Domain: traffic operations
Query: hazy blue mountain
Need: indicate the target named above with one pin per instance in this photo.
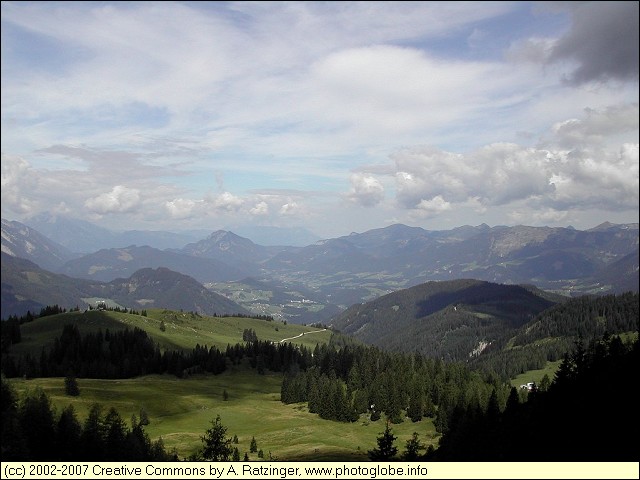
(26, 286)
(18, 240)
(231, 248)
(338, 272)
(106, 265)
(84, 237)
(276, 236)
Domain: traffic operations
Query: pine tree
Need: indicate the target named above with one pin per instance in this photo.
(217, 447)
(71, 386)
(253, 448)
(414, 445)
(386, 450)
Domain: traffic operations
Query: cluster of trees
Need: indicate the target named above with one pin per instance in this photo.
(32, 430)
(553, 333)
(342, 384)
(249, 335)
(129, 353)
(588, 412)
(121, 354)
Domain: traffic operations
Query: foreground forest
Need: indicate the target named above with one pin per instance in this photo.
(476, 413)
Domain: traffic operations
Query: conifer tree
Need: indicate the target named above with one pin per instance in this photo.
(386, 449)
(217, 447)
(414, 445)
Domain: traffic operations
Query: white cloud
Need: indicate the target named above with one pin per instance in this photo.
(291, 208)
(227, 202)
(180, 208)
(366, 190)
(260, 209)
(596, 126)
(18, 180)
(431, 208)
(120, 199)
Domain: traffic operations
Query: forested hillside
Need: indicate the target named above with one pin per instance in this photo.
(448, 319)
(554, 332)
(587, 414)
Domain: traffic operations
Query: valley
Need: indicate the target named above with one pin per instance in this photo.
(181, 409)
(312, 350)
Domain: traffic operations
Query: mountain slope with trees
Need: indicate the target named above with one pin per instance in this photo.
(560, 424)
(448, 319)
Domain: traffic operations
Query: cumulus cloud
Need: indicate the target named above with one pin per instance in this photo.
(603, 41)
(180, 208)
(596, 126)
(431, 208)
(366, 190)
(577, 170)
(493, 175)
(119, 200)
(18, 180)
(260, 209)
(227, 202)
(291, 208)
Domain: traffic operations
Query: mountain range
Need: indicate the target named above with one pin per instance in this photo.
(317, 281)
(27, 287)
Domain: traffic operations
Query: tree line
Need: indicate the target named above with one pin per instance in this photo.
(33, 431)
(553, 333)
(588, 413)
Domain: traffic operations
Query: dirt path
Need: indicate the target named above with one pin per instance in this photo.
(303, 333)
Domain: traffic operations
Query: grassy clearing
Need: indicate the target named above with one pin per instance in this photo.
(180, 410)
(181, 330)
(536, 375)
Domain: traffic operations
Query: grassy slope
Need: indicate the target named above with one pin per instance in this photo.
(182, 330)
(536, 375)
(181, 410)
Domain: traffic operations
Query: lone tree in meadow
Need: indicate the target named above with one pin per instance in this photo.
(386, 450)
(71, 385)
(217, 447)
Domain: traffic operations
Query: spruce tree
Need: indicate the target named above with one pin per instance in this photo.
(386, 450)
(414, 445)
(217, 447)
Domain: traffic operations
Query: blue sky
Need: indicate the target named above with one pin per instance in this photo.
(333, 116)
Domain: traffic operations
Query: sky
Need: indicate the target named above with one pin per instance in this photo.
(336, 117)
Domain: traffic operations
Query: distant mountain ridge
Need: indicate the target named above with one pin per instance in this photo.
(85, 237)
(18, 240)
(25, 286)
(332, 274)
(106, 265)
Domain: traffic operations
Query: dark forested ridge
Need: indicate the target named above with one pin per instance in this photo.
(553, 332)
(587, 414)
(448, 319)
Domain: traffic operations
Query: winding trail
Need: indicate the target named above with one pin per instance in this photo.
(301, 334)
